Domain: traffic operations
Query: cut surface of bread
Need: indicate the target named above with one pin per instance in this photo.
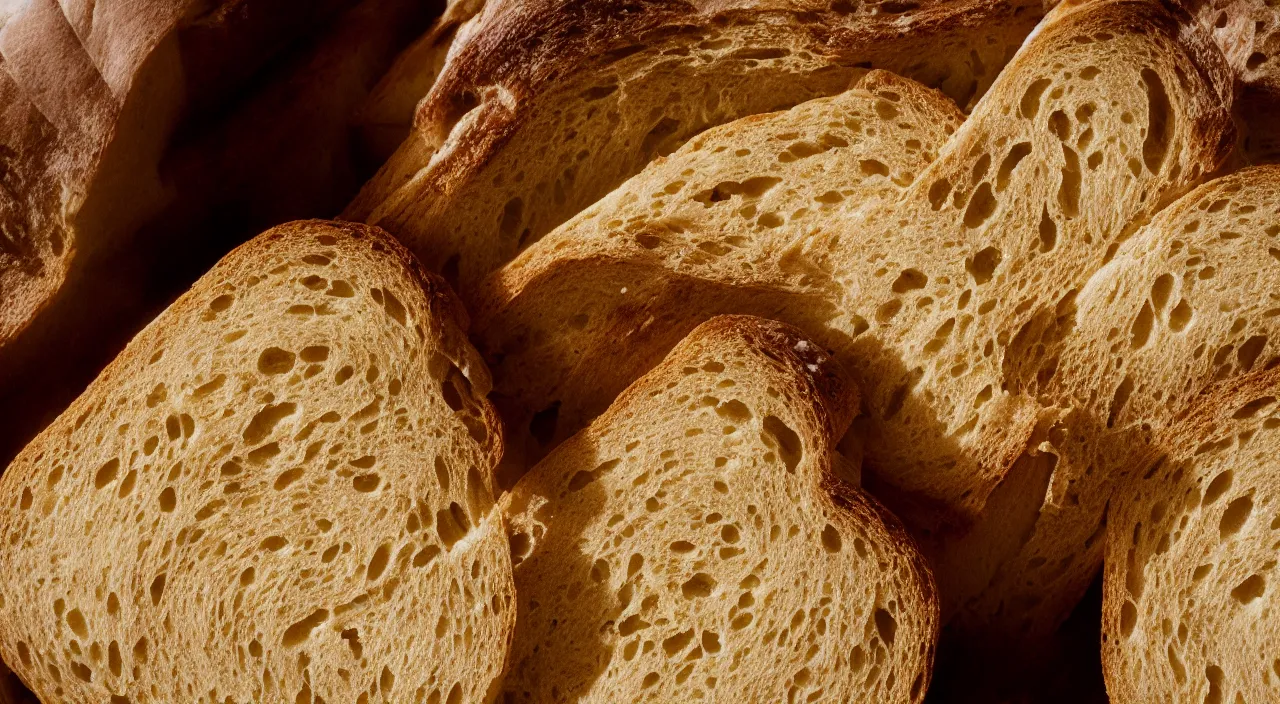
(770, 180)
(942, 300)
(281, 489)
(695, 542)
(1190, 590)
(1184, 345)
(518, 135)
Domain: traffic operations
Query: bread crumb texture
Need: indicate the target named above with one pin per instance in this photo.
(281, 490)
(694, 542)
(948, 284)
(1190, 592)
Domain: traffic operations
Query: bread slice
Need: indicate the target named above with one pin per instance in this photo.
(1177, 355)
(1190, 591)
(695, 542)
(1108, 112)
(838, 154)
(281, 489)
(551, 105)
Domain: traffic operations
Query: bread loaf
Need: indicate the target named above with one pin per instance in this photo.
(281, 489)
(1190, 575)
(553, 104)
(695, 541)
(1108, 112)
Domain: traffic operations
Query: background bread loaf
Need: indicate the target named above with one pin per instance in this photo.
(938, 299)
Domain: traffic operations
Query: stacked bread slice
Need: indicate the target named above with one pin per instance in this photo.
(697, 541)
(552, 104)
(1190, 307)
(939, 298)
(282, 489)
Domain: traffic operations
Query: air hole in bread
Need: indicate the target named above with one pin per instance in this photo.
(1213, 673)
(1029, 105)
(274, 360)
(1016, 154)
(910, 280)
(1069, 187)
(452, 525)
(698, 586)
(1160, 121)
(264, 421)
(886, 626)
(300, 631)
(779, 435)
(982, 266)
(1250, 589)
(106, 473)
(1219, 486)
(981, 206)
(1235, 516)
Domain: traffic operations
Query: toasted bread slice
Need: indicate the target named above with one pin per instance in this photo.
(281, 488)
(695, 542)
(769, 179)
(1190, 590)
(1108, 112)
(550, 105)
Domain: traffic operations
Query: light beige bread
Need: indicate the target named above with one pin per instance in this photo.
(1109, 111)
(770, 180)
(550, 105)
(696, 541)
(281, 489)
(1190, 591)
(1178, 347)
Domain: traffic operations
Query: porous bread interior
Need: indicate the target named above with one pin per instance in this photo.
(281, 488)
(755, 177)
(948, 295)
(1190, 588)
(1184, 319)
(475, 185)
(693, 542)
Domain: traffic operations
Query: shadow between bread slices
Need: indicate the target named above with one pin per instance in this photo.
(281, 488)
(947, 300)
(695, 540)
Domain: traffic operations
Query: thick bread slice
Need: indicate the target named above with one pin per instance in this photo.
(552, 104)
(695, 542)
(1181, 343)
(281, 489)
(1190, 594)
(769, 179)
(1109, 111)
